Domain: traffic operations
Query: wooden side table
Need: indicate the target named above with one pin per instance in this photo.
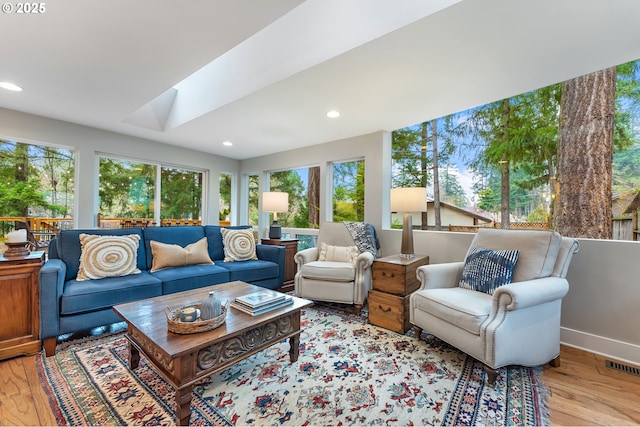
(394, 279)
(20, 305)
(290, 249)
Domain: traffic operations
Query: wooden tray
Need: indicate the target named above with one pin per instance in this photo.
(175, 325)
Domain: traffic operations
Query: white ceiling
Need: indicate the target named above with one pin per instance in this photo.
(272, 69)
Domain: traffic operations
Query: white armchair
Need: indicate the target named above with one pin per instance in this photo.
(520, 323)
(339, 274)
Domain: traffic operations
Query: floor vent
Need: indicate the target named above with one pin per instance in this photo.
(622, 367)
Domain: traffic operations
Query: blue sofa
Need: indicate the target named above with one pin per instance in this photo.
(68, 305)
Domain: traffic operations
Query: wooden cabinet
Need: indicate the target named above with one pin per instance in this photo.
(394, 279)
(20, 305)
(290, 249)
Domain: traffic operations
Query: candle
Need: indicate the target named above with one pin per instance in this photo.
(17, 236)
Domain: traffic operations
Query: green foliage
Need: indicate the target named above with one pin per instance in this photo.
(348, 191)
(539, 214)
(29, 176)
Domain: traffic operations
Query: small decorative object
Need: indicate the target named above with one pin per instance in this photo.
(16, 250)
(189, 314)
(211, 307)
(177, 326)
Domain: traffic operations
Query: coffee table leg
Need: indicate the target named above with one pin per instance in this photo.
(134, 356)
(294, 348)
(183, 405)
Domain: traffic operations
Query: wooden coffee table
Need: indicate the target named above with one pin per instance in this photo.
(185, 359)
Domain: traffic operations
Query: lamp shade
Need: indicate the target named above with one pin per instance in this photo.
(275, 201)
(408, 199)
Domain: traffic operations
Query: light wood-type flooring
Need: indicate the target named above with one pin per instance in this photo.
(582, 391)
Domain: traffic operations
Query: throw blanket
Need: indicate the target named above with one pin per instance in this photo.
(364, 235)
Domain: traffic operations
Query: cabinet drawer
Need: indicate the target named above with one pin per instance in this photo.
(389, 311)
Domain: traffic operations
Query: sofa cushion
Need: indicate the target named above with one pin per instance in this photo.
(69, 248)
(170, 255)
(180, 279)
(251, 271)
(98, 294)
(239, 245)
(176, 235)
(338, 253)
(485, 270)
(538, 249)
(107, 256)
(329, 270)
(464, 308)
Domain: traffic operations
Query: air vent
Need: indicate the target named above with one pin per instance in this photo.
(622, 367)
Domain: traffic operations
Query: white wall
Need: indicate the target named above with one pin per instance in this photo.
(88, 141)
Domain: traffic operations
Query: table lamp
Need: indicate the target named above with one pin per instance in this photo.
(275, 201)
(408, 200)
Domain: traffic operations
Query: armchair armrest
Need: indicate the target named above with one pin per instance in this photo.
(364, 261)
(433, 276)
(519, 295)
(52, 276)
(306, 256)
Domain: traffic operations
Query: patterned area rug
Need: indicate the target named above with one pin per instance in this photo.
(348, 373)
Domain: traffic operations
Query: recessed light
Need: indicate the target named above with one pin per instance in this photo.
(333, 114)
(10, 86)
(227, 143)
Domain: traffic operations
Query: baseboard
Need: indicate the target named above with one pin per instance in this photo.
(617, 350)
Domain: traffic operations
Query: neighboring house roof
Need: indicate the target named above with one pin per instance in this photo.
(633, 206)
(471, 211)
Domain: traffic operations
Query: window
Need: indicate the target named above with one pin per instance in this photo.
(225, 199)
(303, 186)
(36, 181)
(128, 191)
(348, 191)
(498, 163)
(181, 194)
(254, 193)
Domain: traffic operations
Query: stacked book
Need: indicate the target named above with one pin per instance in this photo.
(261, 302)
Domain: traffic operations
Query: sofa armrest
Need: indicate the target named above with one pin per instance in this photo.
(434, 276)
(274, 254)
(52, 276)
(305, 256)
(519, 295)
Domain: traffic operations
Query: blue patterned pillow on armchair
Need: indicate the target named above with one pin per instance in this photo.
(485, 270)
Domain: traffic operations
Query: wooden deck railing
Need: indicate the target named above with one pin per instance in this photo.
(47, 228)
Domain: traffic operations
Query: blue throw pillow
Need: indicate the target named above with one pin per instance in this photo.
(485, 270)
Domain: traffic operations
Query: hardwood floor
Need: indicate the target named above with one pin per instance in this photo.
(582, 391)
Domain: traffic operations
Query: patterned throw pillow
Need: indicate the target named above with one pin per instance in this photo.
(338, 253)
(485, 270)
(108, 256)
(167, 255)
(239, 245)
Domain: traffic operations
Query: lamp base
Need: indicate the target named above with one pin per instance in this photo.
(275, 231)
(406, 250)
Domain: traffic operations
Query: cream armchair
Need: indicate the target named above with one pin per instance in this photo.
(520, 323)
(342, 275)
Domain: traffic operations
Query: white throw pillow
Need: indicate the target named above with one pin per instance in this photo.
(338, 253)
(239, 245)
(108, 256)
